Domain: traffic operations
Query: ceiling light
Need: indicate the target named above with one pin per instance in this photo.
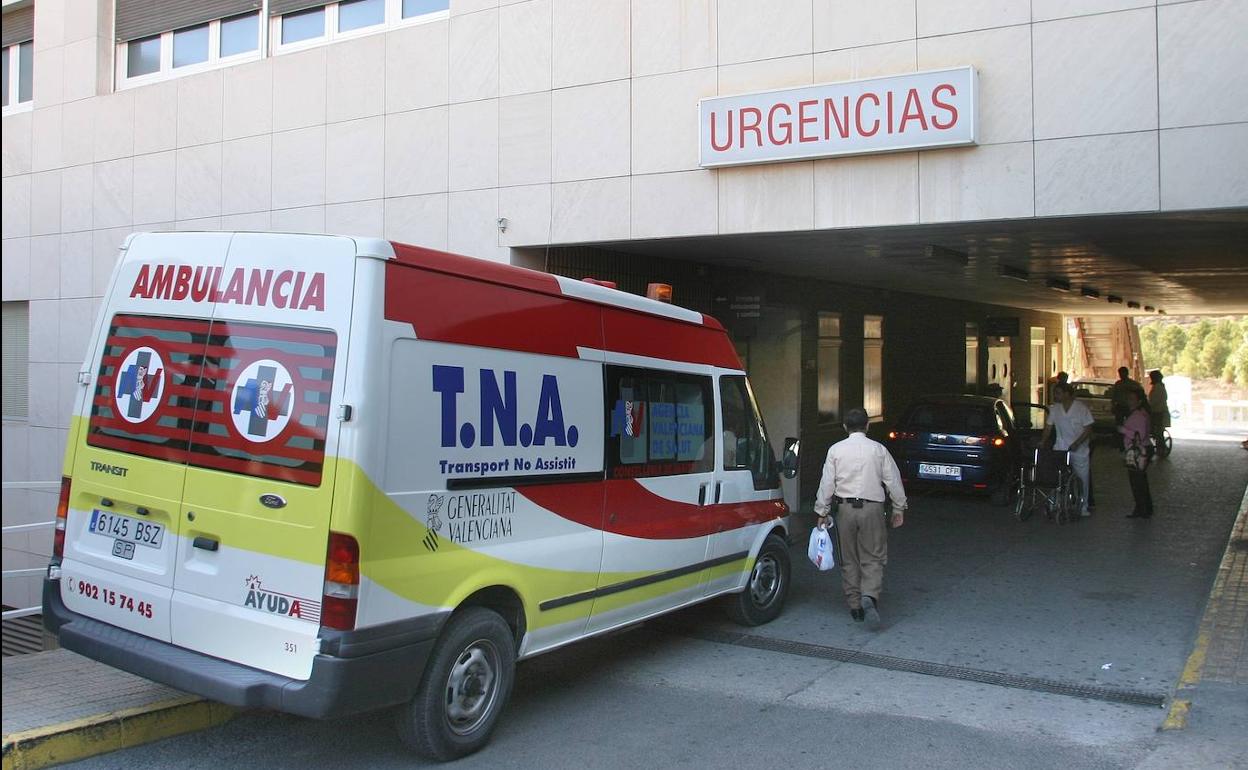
(1133, 305)
(1090, 293)
(1017, 273)
(1115, 299)
(1058, 284)
(949, 255)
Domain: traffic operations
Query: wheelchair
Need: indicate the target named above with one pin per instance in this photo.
(1046, 479)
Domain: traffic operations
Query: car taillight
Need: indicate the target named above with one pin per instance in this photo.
(62, 517)
(998, 441)
(342, 582)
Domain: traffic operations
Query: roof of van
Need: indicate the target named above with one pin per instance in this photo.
(493, 272)
(545, 283)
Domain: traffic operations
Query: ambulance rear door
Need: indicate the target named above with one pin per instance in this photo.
(123, 525)
(259, 482)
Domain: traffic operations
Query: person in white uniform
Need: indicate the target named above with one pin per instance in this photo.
(856, 475)
(1072, 421)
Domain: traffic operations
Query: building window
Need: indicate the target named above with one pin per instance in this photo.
(414, 8)
(16, 359)
(873, 366)
(829, 367)
(972, 357)
(358, 14)
(239, 35)
(305, 27)
(18, 64)
(189, 49)
(190, 46)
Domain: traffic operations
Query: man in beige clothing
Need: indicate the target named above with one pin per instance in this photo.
(855, 476)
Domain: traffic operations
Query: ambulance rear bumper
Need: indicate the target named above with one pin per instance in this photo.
(370, 669)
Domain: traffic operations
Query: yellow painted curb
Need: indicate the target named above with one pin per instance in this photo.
(1176, 718)
(100, 734)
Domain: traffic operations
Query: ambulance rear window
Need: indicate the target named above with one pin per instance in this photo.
(226, 395)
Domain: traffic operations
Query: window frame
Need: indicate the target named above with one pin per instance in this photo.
(14, 53)
(832, 343)
(168, 72)
(872, 343)
(392, 19)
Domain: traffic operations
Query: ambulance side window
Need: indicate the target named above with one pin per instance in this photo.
(658, 423)
(745, 437)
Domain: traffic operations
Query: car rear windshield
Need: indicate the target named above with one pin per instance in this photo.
(1092, 389)
(237, 397)
(964, 419)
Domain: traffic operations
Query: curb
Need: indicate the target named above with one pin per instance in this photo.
(102, 733)
(1193, 670)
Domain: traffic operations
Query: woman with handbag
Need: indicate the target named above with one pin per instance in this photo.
(1135, 431)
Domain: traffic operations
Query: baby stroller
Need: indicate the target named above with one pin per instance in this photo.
(1046, 479)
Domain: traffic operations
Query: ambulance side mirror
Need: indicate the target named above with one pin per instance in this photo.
(788, 465)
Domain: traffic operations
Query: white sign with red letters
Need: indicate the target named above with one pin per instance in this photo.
(885, 114)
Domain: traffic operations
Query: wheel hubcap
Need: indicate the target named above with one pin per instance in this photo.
(765, 581)
(472, 686)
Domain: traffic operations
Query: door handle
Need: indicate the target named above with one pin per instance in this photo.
(702, 493)
(206, 543)
(719, 489)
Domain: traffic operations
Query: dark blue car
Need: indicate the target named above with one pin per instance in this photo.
(963, 442)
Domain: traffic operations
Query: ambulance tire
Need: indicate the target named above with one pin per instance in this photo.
(465, 686)
(767, 587)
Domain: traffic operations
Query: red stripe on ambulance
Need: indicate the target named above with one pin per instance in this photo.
(638, 512)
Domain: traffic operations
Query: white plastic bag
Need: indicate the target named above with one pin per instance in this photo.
(820, 549)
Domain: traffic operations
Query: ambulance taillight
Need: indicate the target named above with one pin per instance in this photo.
(342, 582)
(62, 516)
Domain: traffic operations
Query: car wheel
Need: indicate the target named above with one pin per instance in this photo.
(465, 685)
(767, 588)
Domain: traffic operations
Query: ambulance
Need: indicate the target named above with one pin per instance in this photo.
(325, 475)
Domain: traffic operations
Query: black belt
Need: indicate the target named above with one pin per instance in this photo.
(857, 502)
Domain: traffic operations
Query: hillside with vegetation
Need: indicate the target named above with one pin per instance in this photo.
(1203, 349)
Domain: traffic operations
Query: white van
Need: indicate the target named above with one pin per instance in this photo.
(324, 475)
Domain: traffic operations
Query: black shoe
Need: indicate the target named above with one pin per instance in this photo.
(872, 613)
(857, 615)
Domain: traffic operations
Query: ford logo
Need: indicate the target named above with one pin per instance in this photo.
(273, 501)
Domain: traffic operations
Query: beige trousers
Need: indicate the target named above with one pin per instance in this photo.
(863, 534)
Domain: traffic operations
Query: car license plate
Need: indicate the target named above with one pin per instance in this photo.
(127, 529)
(931, 471)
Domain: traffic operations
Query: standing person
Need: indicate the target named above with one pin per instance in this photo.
(1158, 407)
(1072, 421)
(1136, 429)
(1119, 390)
(856, 474)
(1061, 378)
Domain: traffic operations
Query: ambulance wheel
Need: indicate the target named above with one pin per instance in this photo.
(465, 686)
(767, 587)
